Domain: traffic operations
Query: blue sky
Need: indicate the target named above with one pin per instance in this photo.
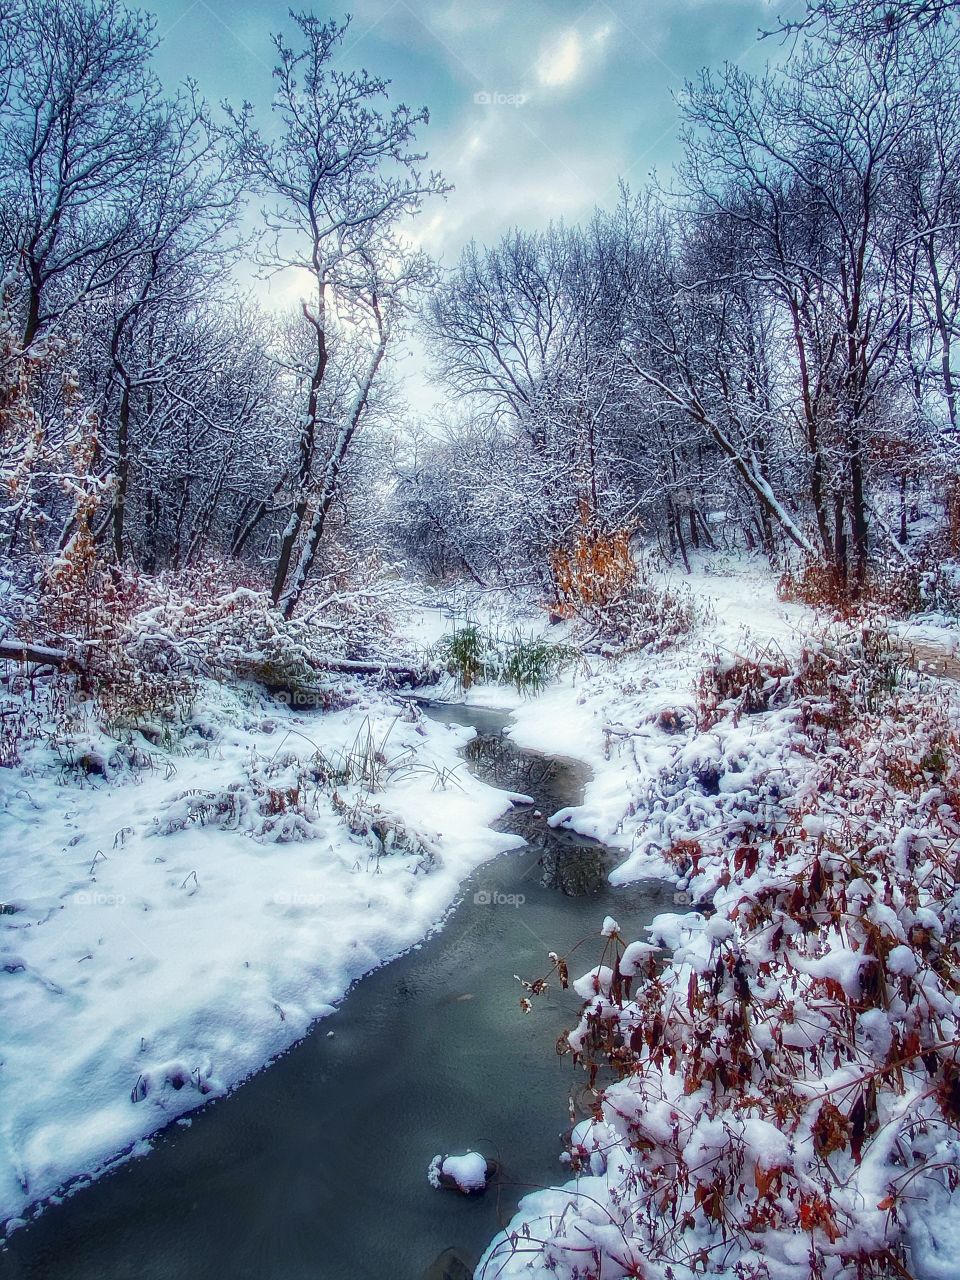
(537, 107)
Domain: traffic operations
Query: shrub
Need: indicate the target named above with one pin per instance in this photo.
(593, 573)
(840, 673)
(895, 587)
(468, 656)
(737, 686)
(600, 583)
(472, 655)
(784, 1090)
(531, 664)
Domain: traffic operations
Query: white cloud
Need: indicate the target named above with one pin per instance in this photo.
(465, 15)
(289, 288)
(561, 61)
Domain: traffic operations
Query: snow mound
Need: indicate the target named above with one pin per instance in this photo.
(468, 1173)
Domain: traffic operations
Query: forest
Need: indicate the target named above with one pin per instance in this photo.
(686, 509)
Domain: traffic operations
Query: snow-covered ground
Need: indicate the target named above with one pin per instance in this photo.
(632, 722)
(171, 925)
(592, 711)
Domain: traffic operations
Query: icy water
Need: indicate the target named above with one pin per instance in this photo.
(315, 1169)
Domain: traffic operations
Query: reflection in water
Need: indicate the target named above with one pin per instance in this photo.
(576, 871)
(573, 864)
(494, 758)
(315, 1168)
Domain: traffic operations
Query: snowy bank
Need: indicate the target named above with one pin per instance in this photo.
(790, 1064)
(174, 918)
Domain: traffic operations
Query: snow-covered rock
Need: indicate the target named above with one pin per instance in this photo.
(467, 1173)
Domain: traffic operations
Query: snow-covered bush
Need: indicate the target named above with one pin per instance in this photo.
(940, 589)
(222, 622)
(786, 1082)
(894, 585)
(602, 585)
(288, 796)
(137, 645)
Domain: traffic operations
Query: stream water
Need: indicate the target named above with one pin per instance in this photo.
(315, 1169)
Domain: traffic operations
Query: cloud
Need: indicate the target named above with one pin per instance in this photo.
(458, 16)
(562, 61)
(289, 288)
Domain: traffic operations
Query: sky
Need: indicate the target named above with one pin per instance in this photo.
(537, 107)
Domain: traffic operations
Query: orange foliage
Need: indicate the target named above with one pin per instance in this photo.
(952, 503)
(820, 585)
(594, 572)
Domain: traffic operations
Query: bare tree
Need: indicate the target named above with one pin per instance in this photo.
(339, 179)
(78, 129)
(808, 163)
(502, 321)
(529, 331)
(176, 252)
(866, 19)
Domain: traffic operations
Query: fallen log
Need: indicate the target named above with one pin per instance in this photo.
(299, 694)
(355, 666)
(41, 654)
(44, 655)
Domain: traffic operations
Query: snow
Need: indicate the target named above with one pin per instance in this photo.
(635, 956)
(130, 1003)
(934, 1236)
(142, 973)
(657, 780)
(468, 1171)
(902, 961)
(596, 982)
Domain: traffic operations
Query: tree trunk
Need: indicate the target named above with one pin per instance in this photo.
(245, 527)
(288, 598)
(839, 541)
(308, 444)
(858, 516)
(122, 472)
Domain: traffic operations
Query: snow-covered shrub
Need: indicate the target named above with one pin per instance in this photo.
(278, 800)
(384, 832)
(738, 685)
(786, 1086)
(289, 796)
(138, 644)
(895, 586)
(843, 671)
(602, 585)
(648, 616)
(940, 589)
(223, 623)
